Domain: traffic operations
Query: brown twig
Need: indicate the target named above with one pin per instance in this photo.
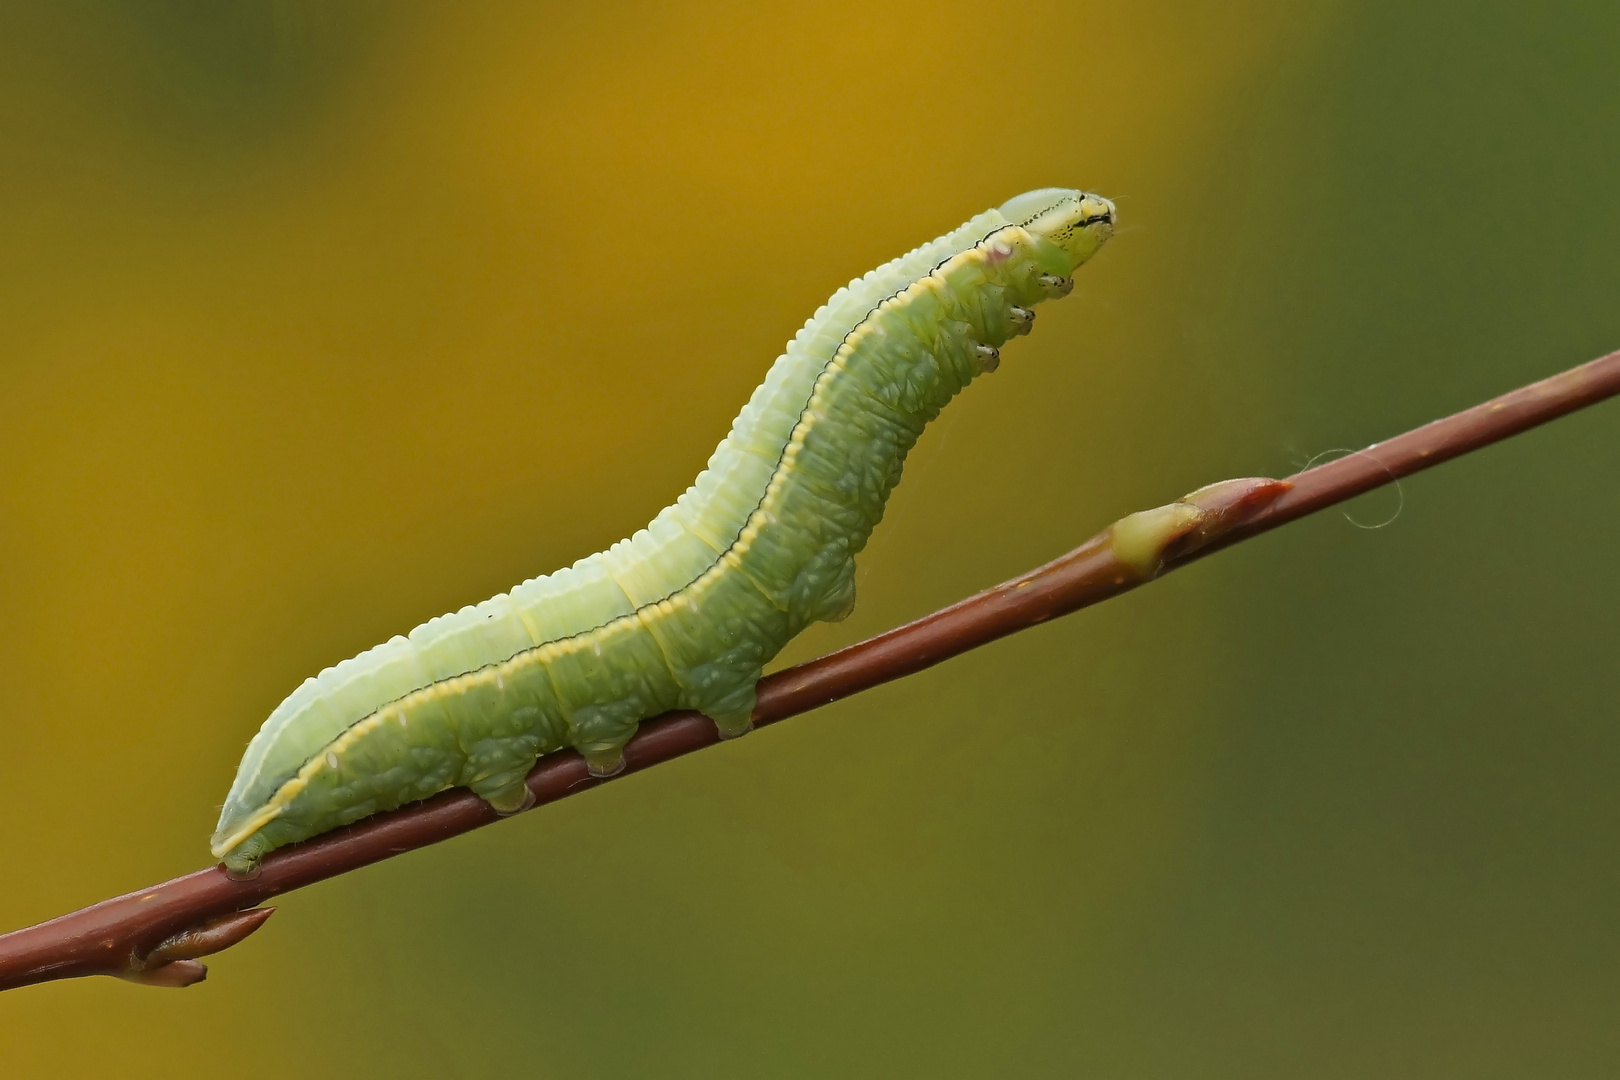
(156, 935)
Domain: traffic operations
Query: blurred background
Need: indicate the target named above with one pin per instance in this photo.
(318, 319)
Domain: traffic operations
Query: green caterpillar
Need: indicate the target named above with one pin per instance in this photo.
(687, 612)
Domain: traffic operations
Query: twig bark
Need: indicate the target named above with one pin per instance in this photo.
(155, 936)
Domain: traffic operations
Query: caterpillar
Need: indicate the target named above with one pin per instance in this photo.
(688, 611)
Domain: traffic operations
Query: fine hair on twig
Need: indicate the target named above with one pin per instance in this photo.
(1400, 490)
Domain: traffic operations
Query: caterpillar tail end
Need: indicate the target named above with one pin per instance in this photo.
(242, 862)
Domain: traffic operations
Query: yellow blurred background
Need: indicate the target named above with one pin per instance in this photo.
(320, 319)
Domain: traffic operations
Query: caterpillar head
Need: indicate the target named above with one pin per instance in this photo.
(1076, 221)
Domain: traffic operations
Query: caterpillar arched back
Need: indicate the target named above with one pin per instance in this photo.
(687, 612)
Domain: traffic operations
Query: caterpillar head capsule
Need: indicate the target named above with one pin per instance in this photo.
(1075, 221)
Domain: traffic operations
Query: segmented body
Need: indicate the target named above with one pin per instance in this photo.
(685, 613)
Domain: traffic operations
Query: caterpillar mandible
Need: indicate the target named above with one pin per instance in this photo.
(688, 611)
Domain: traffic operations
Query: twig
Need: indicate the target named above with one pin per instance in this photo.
(156, 935)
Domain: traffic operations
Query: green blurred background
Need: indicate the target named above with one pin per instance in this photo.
(321, 318)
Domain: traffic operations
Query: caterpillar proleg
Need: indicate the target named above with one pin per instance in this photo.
(688, 611)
